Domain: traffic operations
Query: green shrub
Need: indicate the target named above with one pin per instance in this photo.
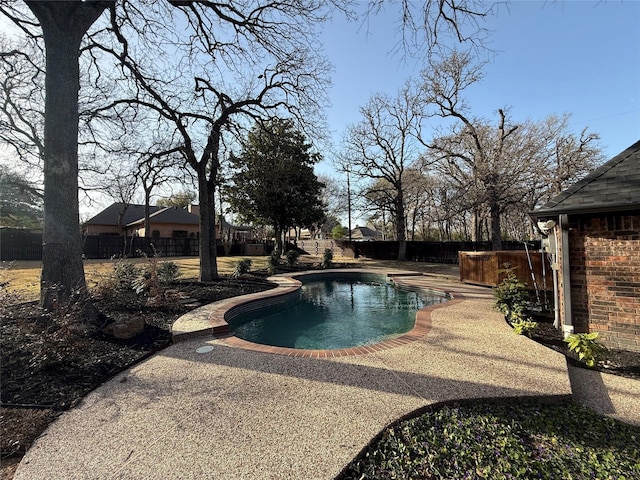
(168, 272)
(125, 274)
(586, 345)
(327, 258)
(512, 297)
(242, 267)
(292, 257)
(274, 261)
(524, 327)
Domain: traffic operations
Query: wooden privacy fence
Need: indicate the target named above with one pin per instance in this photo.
(487, 268)
(24, 245)
(20, 245)
(436, 252)
(317, 247)
(108, 246)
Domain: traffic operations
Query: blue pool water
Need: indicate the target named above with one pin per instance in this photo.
(336, 313)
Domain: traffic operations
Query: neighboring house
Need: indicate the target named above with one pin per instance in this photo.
(168, 222)
(304, 234)
(233, 233)
(165, 222)
(593, 232)
(113, 219)
(365, 234)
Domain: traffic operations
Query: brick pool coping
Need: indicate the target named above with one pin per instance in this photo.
(211, 320)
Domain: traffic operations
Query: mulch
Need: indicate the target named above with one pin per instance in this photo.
(48, 368)
(617, 362)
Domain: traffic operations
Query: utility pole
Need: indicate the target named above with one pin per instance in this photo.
(349, 203)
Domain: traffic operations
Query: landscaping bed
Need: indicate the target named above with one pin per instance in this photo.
(618, 362)
(518, 439)
(46, 370)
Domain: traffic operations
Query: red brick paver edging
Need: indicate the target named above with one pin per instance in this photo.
(288, 284)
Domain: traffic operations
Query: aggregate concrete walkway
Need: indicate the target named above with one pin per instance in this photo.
(234, 413)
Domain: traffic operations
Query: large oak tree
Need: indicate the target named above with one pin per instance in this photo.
(232, 63)
(383, 145)
(63, 24)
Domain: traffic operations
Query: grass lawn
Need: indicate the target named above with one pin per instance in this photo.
(23, 277)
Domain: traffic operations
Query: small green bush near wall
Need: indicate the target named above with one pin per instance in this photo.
(524, 327)
(512, 297)
(586, 345)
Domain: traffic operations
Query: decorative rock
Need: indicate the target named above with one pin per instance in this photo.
(125, 329)
(194, 304)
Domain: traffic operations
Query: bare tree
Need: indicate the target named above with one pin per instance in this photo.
(155, 161)
(22, 74)
(570, 156)
(382, 146)
(235, 64)
(428, 25)
(380, 195)
(275, 27)
(22, 100)
(62, 26)
(474, 155)
(564, 157)
(155, 169)
(336, 198)
(503, 167)
(418, 201)
(493, 166)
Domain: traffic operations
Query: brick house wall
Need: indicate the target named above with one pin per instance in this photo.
(604, 254)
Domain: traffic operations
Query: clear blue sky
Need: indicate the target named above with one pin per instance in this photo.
(577, 57)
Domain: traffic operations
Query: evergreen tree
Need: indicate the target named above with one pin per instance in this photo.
(274, 183)
(20, 202)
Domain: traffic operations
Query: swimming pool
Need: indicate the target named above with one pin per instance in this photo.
(336, 312)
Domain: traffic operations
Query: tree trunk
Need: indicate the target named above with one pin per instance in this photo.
(476, 226)
(496, 239)
(63, 25)
(279, 233)
(401, 231)
(125, 247)
(147, 213)
(208, 249)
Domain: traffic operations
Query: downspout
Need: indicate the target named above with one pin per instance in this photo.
(549, 230)
(556, 291)
(567, 324)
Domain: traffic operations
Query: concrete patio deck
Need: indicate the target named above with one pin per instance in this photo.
(234, 413)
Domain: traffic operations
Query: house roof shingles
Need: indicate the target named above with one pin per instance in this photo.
(365, 232)
(614, 186)
(170, 215)
(109, 216)
(134, 214)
